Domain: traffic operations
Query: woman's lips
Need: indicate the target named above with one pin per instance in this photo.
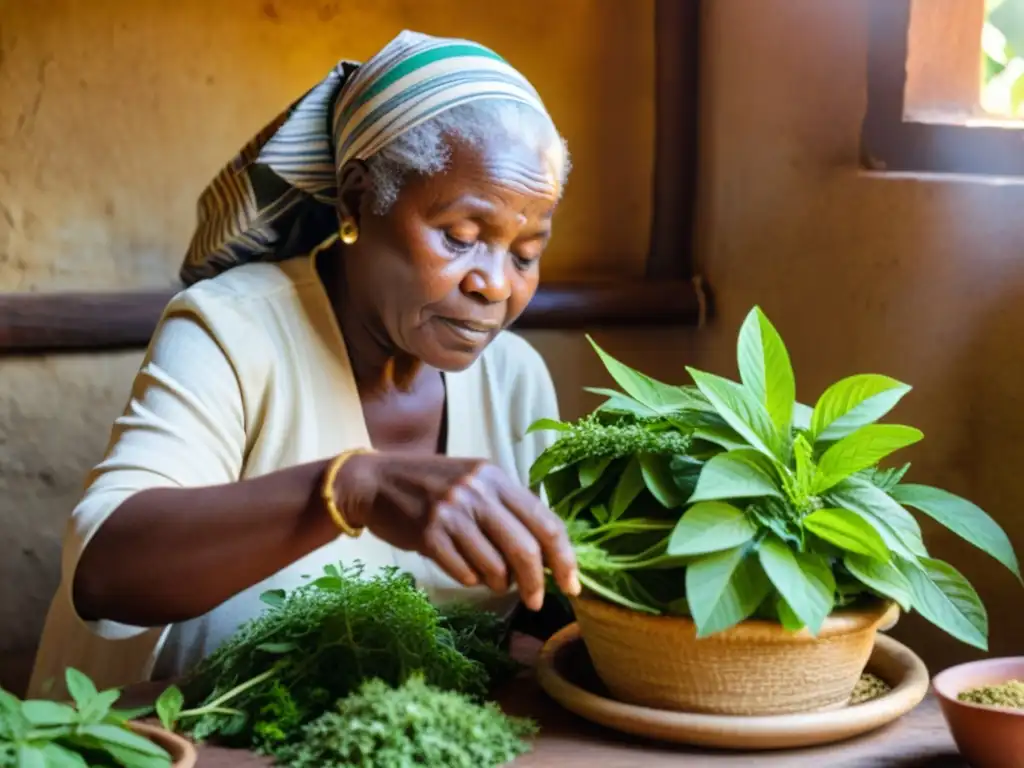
(471, 331)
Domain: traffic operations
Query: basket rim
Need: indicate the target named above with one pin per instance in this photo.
(845, 621)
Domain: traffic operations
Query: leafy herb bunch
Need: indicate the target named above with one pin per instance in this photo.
(88, 733)
(765, 507)
(321, 642)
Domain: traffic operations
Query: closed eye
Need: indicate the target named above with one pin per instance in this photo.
(457, 245)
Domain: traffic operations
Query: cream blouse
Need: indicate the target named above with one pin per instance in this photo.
(247, 374)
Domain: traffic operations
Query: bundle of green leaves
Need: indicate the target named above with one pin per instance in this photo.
(414, 725)
(319, 643)
(729, 500)
(89, 733)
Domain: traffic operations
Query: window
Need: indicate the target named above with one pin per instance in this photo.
(945, 87)
(1002, 59)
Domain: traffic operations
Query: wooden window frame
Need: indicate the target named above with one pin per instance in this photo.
(892, 142)
(668, 294)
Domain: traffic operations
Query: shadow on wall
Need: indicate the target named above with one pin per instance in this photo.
(991, 415)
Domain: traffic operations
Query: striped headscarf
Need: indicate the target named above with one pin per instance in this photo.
(276, 199)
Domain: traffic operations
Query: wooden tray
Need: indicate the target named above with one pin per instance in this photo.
(564, 671)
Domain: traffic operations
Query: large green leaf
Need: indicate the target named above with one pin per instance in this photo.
(848, 531)
(963, 518)
(860, 450)
(723, 436)
(618, 403)
(550, 461)
(591, 469)
(802, 415)
(657, 474)
(560, 484)
(543, 425)
(709, 527)
(80, 687)
(630, 484)
(42, 713)
(884, 578)
(803, 579)
(942, 595)
(119, 736)
(656, 395)
(724, 588)
(614, 594)
(31, 756)
(787, 616)
(740, 410)
(897, 527)
(854, 402)
(765, 368)
(738, 474)
(685, 473)
(57, 756)
(130, 758)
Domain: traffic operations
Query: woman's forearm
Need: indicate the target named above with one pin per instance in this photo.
(172, 554)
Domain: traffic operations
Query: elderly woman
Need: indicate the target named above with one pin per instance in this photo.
(335, 383)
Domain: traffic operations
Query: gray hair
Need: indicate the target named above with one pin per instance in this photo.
(425, 149)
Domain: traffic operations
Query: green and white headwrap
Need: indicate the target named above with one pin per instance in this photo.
(276, 199)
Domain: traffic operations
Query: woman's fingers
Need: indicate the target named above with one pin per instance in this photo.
(520, 549)
(440, 548)
(549, 531)
(478, 551)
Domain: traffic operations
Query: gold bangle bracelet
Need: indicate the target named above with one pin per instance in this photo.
(327, 493)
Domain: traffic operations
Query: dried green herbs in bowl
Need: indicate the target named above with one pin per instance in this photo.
(983, 703)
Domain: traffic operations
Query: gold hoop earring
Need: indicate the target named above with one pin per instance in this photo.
(349, 231)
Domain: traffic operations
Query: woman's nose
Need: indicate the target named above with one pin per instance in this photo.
(488, 278)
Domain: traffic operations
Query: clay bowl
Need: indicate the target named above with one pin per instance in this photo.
(182, 752)
(988, 737)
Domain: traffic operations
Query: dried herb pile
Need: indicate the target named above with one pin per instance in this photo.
(323, 642)
(1008, 694)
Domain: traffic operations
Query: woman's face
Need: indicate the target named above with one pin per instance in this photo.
(457, 257)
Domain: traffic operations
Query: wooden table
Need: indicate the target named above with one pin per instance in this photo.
(918, 740)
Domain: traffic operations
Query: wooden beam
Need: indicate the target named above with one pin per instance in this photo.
(676, 83)
(92, 322)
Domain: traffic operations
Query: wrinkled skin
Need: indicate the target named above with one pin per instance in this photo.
(425, 289)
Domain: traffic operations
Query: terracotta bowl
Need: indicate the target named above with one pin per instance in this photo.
(182, 752)
(989, 737)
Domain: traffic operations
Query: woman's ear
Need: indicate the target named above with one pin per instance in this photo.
(353, 185)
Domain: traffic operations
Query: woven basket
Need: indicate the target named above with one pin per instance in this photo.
(754, 668)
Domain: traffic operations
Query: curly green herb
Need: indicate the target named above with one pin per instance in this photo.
(414, 725)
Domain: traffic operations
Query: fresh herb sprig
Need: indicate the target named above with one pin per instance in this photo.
(319, 643)
(414, 724)
(774, 509)
(49, 734)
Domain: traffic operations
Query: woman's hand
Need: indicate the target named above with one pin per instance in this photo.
(464, 514)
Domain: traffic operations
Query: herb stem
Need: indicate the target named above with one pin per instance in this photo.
(215, 707)
(209, 709)
(608, 594)
(629, 564)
